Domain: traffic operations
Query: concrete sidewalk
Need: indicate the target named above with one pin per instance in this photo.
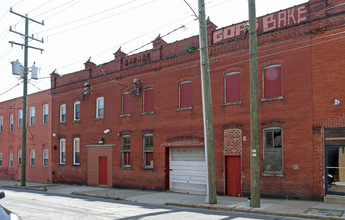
(280, 207)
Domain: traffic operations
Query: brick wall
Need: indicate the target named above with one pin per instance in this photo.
(38, 139)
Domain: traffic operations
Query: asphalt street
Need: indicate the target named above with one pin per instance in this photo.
(35, 205)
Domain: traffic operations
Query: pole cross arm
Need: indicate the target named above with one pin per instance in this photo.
(31, 37)
(23, 45)
(26, 16)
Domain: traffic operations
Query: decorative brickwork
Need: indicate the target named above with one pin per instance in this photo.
(232, 142)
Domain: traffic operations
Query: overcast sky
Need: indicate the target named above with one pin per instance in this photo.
(75, 30)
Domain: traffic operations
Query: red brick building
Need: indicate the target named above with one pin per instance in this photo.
(38, 143)
(136, 121)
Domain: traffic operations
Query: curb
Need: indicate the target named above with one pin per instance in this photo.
(254, 211)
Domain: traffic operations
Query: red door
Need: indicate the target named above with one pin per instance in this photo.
(103, 171)
(233, 175)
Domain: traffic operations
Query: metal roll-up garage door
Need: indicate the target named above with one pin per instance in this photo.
(188, 170)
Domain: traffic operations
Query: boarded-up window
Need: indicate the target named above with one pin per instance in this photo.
(185, 94)
(272, 81)
(126, 104)
(232, 87)
(148, 100)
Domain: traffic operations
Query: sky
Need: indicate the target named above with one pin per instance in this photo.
(75, 30)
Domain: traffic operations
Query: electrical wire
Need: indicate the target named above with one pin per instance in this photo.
(315, 12)
(10, 89)
(92, 22)
(39, 7)
(89, 16)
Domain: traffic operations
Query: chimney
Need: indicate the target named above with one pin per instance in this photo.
(119, 55)
(210, 28)
(53, 77)
(89, 64)
(157, 47)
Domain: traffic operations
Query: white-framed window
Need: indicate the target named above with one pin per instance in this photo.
(148, 151)
(32, 157)
(10, 160)
(100, 107)
(63, 151)
(273, 150)
(32, 116)
(1, 124)
(0, 159)
(63, 113)
(20, 118)
(19, 157)
(126, 151)
(45, 157)
(76, 151)
(45, 113)
(11, 123)
(76, 114)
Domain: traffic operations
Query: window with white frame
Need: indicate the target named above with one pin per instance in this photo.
(45, 157)
(273, 150)
(126, 151)
(63, 151)
(32, 158)
(11, 123)
(63, 113)
(20, 118)
(10, 160)
(76, 151)
(100, 107)
(32, 116)
(148, 151)
(1, 124)
(45, 113)
(0, 159)
(76, 115)
(19, 157)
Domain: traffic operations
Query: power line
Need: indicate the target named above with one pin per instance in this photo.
(10, 89)
(92, 22)
(89, 16)
(39, 6)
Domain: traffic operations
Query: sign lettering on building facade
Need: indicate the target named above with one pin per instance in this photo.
(266, 23)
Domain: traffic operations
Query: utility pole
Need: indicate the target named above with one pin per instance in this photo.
(25, 87)
(254, 113)
(211, 197)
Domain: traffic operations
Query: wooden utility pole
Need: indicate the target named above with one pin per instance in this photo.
(25, 86)
(254, 113)
(211, 197)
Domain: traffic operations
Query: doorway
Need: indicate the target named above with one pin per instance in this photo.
(233, 175)
(103, 171)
